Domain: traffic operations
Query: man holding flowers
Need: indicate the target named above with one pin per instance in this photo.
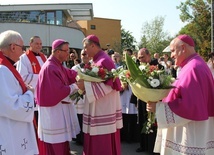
(185, 117)
(58, 122)
(146, 140)
(102, 116)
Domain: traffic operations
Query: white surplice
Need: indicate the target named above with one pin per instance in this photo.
(24, 67)
(17, 135)
(102, 111)
(80, 105)
(127, 107)
(177, 136)
(58, 123)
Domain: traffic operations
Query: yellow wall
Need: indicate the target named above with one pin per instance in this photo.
(107, 30)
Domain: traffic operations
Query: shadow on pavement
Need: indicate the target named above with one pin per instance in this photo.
(127, 149)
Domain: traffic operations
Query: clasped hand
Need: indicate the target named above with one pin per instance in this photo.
(80, 84)
(151, 106)
(30, 88)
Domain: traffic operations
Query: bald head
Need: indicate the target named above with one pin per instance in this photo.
(181, 50)
(156, 56)
(144, 55)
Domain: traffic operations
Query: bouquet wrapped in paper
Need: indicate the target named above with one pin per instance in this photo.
(148, 83)
(97, 74)
(147, 94)
(88, 78)
(92, 73)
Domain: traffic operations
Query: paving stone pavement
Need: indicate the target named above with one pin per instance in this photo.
(127, 149)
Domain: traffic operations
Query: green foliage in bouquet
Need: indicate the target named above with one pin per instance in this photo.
(76, 96)
(148, 83)
(148, 76)
(135, 72)
(132, 67)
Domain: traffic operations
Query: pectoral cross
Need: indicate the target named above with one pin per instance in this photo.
(1, 151)
(24, 144)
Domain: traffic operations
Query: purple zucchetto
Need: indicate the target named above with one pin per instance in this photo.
(56, 43)
(187, 39)
(93, 38)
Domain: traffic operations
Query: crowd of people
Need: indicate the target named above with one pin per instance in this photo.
(37, 116)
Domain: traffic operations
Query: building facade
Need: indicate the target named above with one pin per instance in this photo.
(108, 31)
(70, 21)
(49, 21)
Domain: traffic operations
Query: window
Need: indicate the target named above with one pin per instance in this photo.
(45, 17)
(59, 18)
(41, 17)
(50, 18)
(33, 16)
(93, 27)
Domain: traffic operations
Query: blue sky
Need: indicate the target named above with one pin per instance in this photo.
(132, 13)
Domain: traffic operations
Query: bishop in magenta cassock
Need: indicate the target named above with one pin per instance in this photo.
(102, 115)
(58, 122)
(186, 117)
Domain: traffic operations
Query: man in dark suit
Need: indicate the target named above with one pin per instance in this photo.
(147, 141)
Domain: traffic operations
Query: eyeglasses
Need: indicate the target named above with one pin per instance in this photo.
(23, 47)
(64, 50)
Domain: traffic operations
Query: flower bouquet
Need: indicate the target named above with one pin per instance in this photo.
(92, 73)
(77, 96)
(148, 83)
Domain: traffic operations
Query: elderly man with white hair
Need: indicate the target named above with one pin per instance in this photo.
(185, 117)
(17, 134)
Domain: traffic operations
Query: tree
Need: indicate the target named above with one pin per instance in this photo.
(153, 36)
(127, 40)
(197, 13)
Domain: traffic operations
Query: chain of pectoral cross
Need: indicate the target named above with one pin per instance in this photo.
(1, 151)
(28, 107)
